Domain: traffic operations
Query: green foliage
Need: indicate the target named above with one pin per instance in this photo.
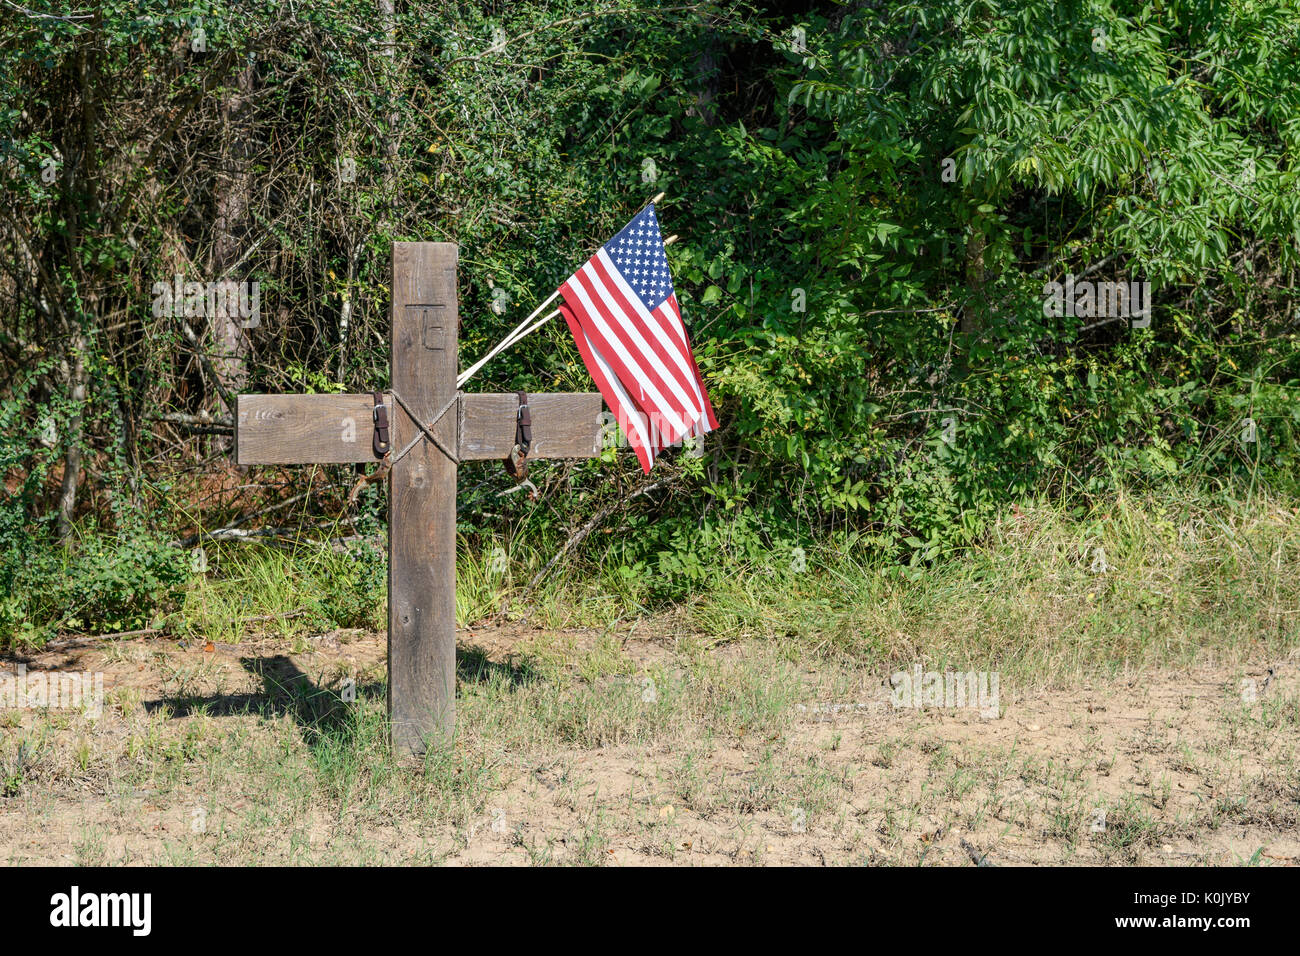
(105, 579)
(351, 587)
(115, 582)
(1072, 150)
(105, 583)
(870, 200)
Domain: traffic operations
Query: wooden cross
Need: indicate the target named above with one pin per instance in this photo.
(305, 429)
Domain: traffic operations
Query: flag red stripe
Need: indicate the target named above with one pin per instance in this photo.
(663, 403)
(613, 308)
(613, 397)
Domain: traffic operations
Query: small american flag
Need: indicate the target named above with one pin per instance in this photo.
(624, 316)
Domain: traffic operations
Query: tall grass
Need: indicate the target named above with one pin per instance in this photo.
(1054, 591)
(251, 588)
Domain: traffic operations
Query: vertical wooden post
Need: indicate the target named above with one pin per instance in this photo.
(422, 498)
(297, 429)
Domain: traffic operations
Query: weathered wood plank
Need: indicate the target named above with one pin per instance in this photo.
(337, 429)
(565, 425)
(304, 429)
(422, 500)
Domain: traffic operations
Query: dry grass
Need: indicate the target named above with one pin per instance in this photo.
(1148, 714)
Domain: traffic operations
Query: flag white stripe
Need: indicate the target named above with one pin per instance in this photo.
(666, 310)
(689, 406)
(629, 361)
(670, 346)
(673, 319)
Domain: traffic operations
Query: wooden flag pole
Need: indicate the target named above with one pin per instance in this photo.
(466, 375)
(532, 328)
(519, 331)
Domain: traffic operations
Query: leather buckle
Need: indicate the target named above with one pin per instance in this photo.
(379, 415)
(517, 461)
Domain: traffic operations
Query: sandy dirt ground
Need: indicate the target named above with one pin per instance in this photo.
(208, 754)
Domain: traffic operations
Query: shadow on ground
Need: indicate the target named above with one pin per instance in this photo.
(320, 708)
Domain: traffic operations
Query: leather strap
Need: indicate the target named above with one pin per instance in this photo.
(380, 444)
(517, 461)
(524, 424)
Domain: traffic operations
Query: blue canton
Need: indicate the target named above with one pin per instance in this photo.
(638, 253)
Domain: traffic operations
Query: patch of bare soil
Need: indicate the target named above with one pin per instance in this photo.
(203, 754)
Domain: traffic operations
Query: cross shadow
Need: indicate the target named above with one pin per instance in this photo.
(474, 666)
(319, 710)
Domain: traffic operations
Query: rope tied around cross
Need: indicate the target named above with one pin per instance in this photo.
(381, 443)
(426, 431)
(516, 463)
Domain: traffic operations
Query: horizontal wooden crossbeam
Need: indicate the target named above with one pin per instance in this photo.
(337, 429)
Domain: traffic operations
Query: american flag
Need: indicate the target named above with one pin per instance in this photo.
(624, 316)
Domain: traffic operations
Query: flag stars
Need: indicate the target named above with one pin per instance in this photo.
(638, 254)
